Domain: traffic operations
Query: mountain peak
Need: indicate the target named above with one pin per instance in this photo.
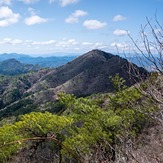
(87, 74)
(96, 50)
(98, 54)
(14, 67)
(11, 62)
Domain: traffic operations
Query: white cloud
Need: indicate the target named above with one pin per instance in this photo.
(120, 32)
(16, 41)
(71, 43)
(119, 18)
(70, 46)
(32, 11)
(29, 1)
(11, 41)
(120, 46)
(65, 45)
(79, 13)
(67, 2)
(35, 19)
(7, 17)
(94, 24)
(99, 45)
(71, 19)
(44, 42)
(74, 17)
(90, 45)
(5, 2)
(87, 43)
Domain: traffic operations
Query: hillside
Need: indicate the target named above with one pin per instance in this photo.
(13, 88)
(90, 129)
(88, 74)
(112, 125)
(14, 67)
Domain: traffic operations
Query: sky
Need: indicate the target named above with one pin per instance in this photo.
(45, 27)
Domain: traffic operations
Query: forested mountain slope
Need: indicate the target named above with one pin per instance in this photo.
(14, 67)
(86, 75)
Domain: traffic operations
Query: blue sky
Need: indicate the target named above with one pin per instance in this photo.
(44, 27)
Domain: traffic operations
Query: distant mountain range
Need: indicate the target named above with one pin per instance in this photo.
(87, 74)
(60, 59)
(53, 61)
(14, 67)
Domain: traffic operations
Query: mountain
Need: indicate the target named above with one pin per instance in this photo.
(14, 67)
(16, 56)
(88, 74)
(53, 61)
(13, 89)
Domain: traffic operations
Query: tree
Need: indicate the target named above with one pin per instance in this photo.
(84, 132)
(30, 133)
(151, 56)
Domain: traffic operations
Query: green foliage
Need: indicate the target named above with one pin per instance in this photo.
(40, 124)
(118, 82)
(32, 125)
(94, 125)
(7, 135)
(84, 128)
(22, 107)
(125, 99)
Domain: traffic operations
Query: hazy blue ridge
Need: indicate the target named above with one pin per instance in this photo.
(53, 61)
